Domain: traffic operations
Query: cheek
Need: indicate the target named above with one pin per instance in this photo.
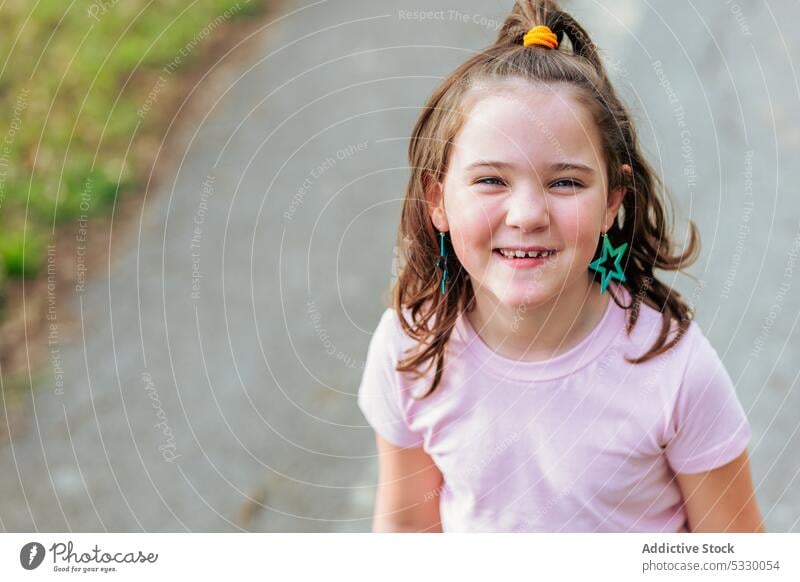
(579, 224)
(470, 226)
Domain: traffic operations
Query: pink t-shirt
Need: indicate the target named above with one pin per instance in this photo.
(583, 442)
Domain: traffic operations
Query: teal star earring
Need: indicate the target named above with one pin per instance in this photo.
(441, 262)
(609, 252)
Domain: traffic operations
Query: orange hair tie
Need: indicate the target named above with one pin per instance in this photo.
(540, 35)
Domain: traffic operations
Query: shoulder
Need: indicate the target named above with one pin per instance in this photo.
(650, 325)
(390, 327)
(703, 375)
(708, 426)
(704, 360)
(387, 324)
(384, 341)
(382, 393)
(390, 338)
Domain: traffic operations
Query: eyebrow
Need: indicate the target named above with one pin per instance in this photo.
(559, 167)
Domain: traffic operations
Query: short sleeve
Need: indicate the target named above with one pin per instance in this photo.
(379, 394)
(708, 428)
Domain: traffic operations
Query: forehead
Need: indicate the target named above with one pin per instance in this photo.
(527, 124)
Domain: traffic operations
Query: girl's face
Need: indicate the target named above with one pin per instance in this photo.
(526, 170)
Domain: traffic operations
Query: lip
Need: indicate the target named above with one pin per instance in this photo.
(527, 262)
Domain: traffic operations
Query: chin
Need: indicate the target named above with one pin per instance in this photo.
(526, 299)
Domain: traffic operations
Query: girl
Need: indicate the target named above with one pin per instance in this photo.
(534, 374)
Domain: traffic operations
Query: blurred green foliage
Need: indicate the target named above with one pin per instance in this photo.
(80, 83)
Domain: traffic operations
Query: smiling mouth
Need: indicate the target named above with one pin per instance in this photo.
(524, 255)
(526, 262)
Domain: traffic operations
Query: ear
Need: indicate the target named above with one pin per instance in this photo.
(615, 198)
(434, 197)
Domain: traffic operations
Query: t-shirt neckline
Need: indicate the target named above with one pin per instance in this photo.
(592, 346)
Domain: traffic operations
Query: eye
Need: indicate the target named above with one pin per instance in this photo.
(570, 183)
(491, 181)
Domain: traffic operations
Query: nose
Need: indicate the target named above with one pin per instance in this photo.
(528, 210)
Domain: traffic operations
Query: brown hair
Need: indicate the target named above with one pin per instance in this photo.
(645, 227)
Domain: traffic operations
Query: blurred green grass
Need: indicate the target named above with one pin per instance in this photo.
(76, 79)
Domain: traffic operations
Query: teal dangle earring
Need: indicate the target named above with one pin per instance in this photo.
(441, 262)
(616, 271)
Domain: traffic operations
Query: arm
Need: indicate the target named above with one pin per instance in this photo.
(722, 500)
(409, 484)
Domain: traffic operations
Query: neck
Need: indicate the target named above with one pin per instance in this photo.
(543, 331)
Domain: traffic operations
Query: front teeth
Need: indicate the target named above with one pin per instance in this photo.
(520, 254)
